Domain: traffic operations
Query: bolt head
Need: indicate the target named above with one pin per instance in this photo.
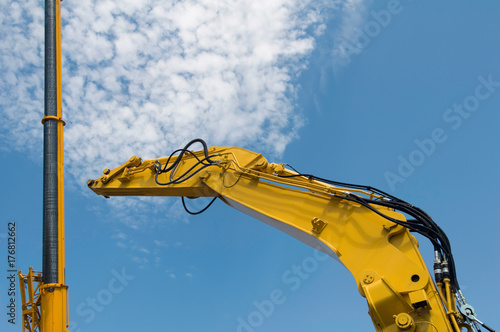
(368, 278)
(404, 322)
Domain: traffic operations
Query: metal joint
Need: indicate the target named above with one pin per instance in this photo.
(52, 117)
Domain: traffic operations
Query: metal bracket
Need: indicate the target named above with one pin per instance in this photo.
(318, 225)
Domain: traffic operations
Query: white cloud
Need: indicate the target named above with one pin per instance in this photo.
(21, 79)
(160, 243)
(121, 245)
(119, 235)
(146, 77)
(345, 39)
(144, 250)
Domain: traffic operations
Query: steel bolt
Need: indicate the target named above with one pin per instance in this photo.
(402, 320)
(368, 278)
(405, 322)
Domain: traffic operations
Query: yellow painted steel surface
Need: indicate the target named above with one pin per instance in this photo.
(54, 307)
(60, 148)
(30, 297)
(383, 257)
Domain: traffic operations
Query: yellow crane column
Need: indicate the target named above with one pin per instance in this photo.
(46, 306)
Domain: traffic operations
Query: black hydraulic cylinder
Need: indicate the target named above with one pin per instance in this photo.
(50, 151)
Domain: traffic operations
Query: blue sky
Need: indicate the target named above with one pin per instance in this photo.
(403, 96)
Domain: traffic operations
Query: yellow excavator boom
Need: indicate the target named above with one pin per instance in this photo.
(356, 225)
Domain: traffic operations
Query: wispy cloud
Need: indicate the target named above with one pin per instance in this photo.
(337, 45)
(353, 17)
(21, 78)
(147, 254)
(144, 77)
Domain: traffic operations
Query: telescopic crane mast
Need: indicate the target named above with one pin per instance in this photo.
(44, 294)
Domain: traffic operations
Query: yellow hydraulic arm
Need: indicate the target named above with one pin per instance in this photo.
(354, 224)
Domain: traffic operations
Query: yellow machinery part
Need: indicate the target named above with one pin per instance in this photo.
(45, 307)
(54, 307)
(382, 256)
